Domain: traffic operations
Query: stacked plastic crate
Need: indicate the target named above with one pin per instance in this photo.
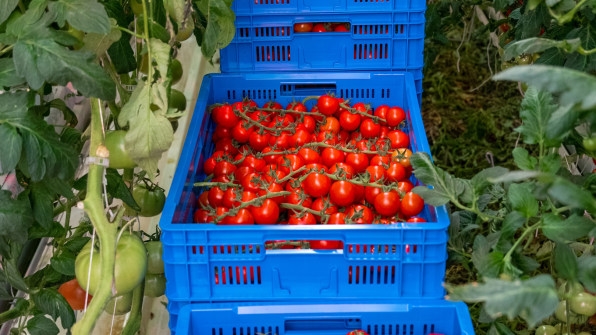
(387, 279)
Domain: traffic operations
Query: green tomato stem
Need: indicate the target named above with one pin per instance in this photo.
(106, 231)
(20, 308)
(134, 320)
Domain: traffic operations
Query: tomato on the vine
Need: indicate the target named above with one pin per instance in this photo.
(74, 294)
(119, 305)
(154, 260)
(342, 193)
(150, 198)
(411, 204)
(155, 285)
(302, 219)
(129, 269)
(225, 116)
(303, 27)
(319, 28)
(327, 104)
(316, 184)
(360, 214)
(395, 115)
(387, 203)
(266, 213)
(369, 128)
(349, 121)
(119, 156)
(357, 332)
(583, 303)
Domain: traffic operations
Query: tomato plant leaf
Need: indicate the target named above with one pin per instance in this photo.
(565, 262)
(481, 180)
(569, 193)
(41, 60)
(54, 229)
(536, 110)
(587, 272)
(523, 160)
(512, 222)
(530, 23)
(15, 216)
(562, 120)
(6, 8)
(533, 299)
(574, 87)
(445, 187)
(117, 188)
(219, 30)
(121, 53)
(8, 73)
(100, 43)
(40, 325)
(577, 61)
(53, 303)
(64, 262)
(522, 200)
(537, 44)
(13, 275)
(13, 144)
(85, 15)
(488, 264)
(570, 229)
(76, 243)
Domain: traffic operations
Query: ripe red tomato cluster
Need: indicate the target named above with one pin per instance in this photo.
(321, 27)
(334, 163)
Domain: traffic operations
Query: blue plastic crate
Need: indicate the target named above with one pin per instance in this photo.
(377, 262)
(330, 6)
(389, 41)
(328, 318)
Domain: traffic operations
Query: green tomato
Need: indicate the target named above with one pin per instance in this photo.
(524, 59)
(150, 200)
(119, 305)
(177, 71)
(568, 289)
(129, 269)
(119, 157)
(177, 100)
(155, 285)
(137, 6)
(546, 330)
(154, 260)
(583, 303)
(589, 143)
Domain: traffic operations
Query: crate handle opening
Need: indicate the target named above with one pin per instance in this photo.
(318, 325)
(293, 89)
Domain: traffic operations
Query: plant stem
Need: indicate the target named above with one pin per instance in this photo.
(106, 231)
(20, 308)
(134, 321)
(527, 231)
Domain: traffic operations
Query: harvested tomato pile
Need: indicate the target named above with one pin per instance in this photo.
(337, 163)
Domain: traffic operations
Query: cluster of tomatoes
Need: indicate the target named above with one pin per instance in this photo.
(336, 163)
(321, 27)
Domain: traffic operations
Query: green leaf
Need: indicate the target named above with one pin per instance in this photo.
(8, 73)
(536, 110)
(515, 176)
(533, 299)
(531, 21)
(41, 60)
(117, 188)
(482, 179)
(570, 194)
(512, 222)
(41, 325)
(120, 52)
(523, 160)
(6, 8)
(15, 216)
(569, 229)
(575, 87)
(220, 28)
(150, 133)
(55, 230)
(565, 262)
(445, 187)
(85, 15)
(53, 303)
(522, 199)
(12, 146)
(537, 44)
(13, 275)
(587, 272)
(488, 264)
(64, 263)
(577, 61)
(100, 43)
(551, 163)
(562, 121)
(76, 243)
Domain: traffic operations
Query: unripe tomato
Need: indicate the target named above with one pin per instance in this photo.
(545, 330)
(583, 303)
(155, 285)
(150, 199)
(119, 157)
(154, 259)
(119, 305)
(129, 269)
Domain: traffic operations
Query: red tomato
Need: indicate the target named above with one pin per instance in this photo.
(226, 145)
(273, 188)
(303, 27)
(202, 216)
(327, 137)
(411, 204)
(280, 121)
(405, 186)
(349, 121)
(357, 332)
(376, 172)
(325, 244)
(300, 138)
(282, 141)
(316, 185)
(358, 161)
(266, 213)
(324, 206)
(296, 106)
(415, 219)
(337, 218)
(270, 156)
(380, 160)
(398, 139)
(241, 131)
(221, 132)
(224, 168)
(203, 201)
(360, 214)
(289, 163)
(231, 197)
(341, 28)
(332, 156)
(327, 104)
(252, 182)
(224, 116)
(74, 294)
(369, 128)
(370, 193)
(402, 156)
(258, 141)
(387, 203)
(395, 116)
(242, 217)
(342, 193)
(381, 111)
(308, 123)
(319, 28)
(395, 172)
(309, 155)
(302, 219)
(215, 196)
(258, 164)
(242, 171)
(331, 124)
(342, 169)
